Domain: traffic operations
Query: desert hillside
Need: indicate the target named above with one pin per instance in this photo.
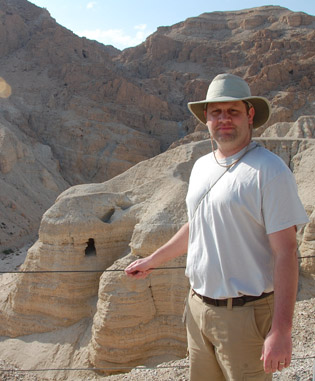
(96, 148)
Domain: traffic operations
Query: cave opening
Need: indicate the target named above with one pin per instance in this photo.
(90, 249)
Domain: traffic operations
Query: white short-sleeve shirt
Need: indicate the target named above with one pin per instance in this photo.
(229, 254)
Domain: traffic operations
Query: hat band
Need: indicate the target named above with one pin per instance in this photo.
(245, 101)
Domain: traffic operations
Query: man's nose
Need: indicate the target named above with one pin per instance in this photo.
(224, 115)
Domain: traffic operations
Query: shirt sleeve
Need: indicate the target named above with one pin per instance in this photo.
(281, 205)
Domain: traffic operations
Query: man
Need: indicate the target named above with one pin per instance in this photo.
(243, 210)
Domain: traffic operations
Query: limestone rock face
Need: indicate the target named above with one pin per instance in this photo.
(307, 248)
(30, 181)
(89, 228)
(304, 127)
(81, 233)
(303, 168)
(133, 315)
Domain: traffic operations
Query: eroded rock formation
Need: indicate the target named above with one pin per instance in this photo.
(30, 182)
(89, 228)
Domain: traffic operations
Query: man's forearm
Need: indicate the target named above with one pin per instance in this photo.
(285, 277)
(175, 247)
(285, 287)
(277, 349)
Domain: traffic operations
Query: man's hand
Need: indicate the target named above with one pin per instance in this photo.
(174, 248)
(276, 352)
(139, 269)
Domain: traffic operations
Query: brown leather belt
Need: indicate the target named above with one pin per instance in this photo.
(240, 301)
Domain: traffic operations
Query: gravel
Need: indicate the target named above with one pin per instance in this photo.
(13, 374)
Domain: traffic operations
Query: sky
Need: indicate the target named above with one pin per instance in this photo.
(127, 23)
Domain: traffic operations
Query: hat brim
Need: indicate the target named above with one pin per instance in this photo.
(260, 104)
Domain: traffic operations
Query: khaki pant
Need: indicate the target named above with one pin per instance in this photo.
(225, 343)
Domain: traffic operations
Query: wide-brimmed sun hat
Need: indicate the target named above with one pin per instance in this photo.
(231, 88)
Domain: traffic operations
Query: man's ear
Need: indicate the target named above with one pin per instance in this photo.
(251, 114)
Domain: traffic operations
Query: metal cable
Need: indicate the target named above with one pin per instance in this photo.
(82, 271)
(101, 271)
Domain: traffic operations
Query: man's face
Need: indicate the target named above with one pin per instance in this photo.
(229, 123)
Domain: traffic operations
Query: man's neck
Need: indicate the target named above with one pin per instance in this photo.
(224, 151)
